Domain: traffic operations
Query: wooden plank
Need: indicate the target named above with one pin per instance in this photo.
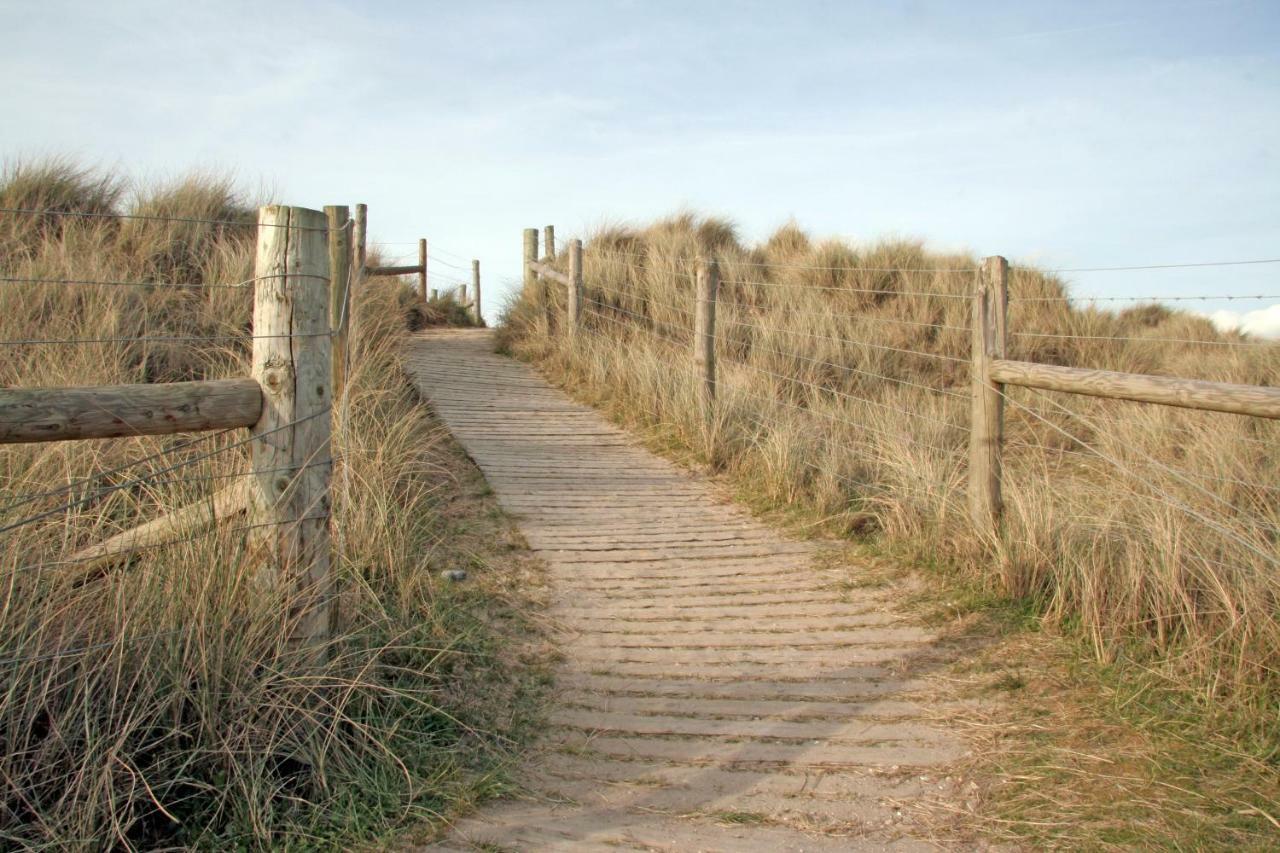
(986, 434)
(547, 271)
(227, 502)
(292, 364)
(371, 271)
(112, 411)
(1257, 400)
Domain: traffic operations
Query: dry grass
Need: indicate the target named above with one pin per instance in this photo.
(1148, 532)
(161, 704)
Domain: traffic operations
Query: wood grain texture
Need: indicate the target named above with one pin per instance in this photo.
(477, 314)
(340, 233)
(293, 364)
(112, 411)
(704, 332)
(530, 258)
(1257, 400)
(986, 433)
(547, 271)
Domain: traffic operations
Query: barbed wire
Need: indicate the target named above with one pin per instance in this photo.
(1153, 299)
(1158, 497)
(1149, 266)
(153, 546)
(849, 341)
(160, 339)
(1144, 340)
(154, 218)
(74, 504)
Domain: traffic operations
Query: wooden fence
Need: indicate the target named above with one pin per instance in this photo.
(990, 370)
(457, 293)
(307, 265)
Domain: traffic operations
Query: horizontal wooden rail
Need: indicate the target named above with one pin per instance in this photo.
(111, 411)
(416, 268)
(1257, 400)
(550, 272)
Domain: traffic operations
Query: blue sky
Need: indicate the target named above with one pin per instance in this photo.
(1069, 134)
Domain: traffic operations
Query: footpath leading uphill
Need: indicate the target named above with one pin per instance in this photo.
(719, 688)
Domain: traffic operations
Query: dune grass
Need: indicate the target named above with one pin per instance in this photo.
(1147, 534)
(161, 704)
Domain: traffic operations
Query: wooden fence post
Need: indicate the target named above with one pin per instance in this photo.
(475, 289)
(290, 442)
(359, 267)
(422, 273)
(575, 286)
(435, 294)
(340, 229)
(549, 241)
(704, 335)
(986, 427)
(530, 256)
(461, 296)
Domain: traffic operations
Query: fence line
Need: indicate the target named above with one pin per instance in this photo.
(301, 359)
(990, 370)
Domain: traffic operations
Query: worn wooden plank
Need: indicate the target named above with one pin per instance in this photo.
(1257, 400)
(548, 271)
(112, 411)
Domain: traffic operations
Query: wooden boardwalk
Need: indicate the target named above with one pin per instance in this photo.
(719, 690)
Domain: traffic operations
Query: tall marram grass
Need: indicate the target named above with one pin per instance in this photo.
(844, 387)
(159, 703)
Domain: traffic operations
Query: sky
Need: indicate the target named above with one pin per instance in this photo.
(1069, 135)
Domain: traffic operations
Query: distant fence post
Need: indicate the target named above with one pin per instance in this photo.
(530, 256)
(986, 433)
(422, 273)
(475, 289)
(549, 241)
(292, 363)
(704, 334)
(435, 294)
(340, 229)
(461, 295)
(575, 286)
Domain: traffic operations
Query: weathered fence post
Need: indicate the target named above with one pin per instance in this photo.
(575, 286)
(422, 273)
(359, 266)
(530, 256)
(704, 332)
(475, 289)
(986, 432)
(461, 296)
(549, 241)
(435, 294)
(340, 228)
(292, 362)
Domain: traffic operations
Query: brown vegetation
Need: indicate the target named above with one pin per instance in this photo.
(160, 703)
